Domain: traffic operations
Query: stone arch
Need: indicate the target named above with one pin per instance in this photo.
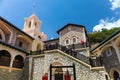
(109, 50)
(67, 41)
(105, 47)
(114, 73)
(39, 47)
(74, 40)
(2, 35)
(55, 64)
(117, 42)
(6, 31)
(5, 58)
(18, 61)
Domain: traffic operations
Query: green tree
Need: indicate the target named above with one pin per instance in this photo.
(97, 37)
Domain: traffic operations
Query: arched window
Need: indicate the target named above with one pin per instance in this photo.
(109, 51)
(74, 40)
(5, 58)
(35, 24)
(30, 24)
(21, 44)
(18, 62)
(38, 47)
(67, 41)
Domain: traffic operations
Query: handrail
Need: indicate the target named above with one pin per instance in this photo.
(70, 51)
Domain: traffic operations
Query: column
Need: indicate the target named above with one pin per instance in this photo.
(12, 60)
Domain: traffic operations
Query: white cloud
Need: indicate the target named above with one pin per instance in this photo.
(107, 23)
(115, 4)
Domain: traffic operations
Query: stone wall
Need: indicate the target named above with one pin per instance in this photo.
(111, 61)
(14, 74)
(38, 68)
(83, 72)
(70, 35)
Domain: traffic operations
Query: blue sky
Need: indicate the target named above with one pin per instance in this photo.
(54, 14)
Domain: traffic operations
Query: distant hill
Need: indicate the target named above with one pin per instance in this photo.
(98, 36)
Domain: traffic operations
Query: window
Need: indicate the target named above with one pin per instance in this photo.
(74, 40)
(29, 24)
(35, 24)
(109, 52)
(67, 41)
(20, 44)
(39, 37)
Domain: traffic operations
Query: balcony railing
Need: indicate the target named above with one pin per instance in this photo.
(96, 62)
(70, 51)
(37, 52)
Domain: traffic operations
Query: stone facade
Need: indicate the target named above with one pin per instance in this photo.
(110, 53)
(41, 64)
(111, 60)
(73, 33)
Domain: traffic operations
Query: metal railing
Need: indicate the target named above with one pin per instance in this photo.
(72, 52)
(96, 62)
(37, 52)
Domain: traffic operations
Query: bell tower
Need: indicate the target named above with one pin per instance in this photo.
(32, 27)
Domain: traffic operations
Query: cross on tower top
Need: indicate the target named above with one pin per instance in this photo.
(34, 6)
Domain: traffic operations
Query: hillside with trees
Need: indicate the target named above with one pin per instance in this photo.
(97, 37)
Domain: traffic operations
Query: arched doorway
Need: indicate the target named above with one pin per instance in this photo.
(116, 75)
(5, 58)
(58, 74)
(39, 47)
(18, 62)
